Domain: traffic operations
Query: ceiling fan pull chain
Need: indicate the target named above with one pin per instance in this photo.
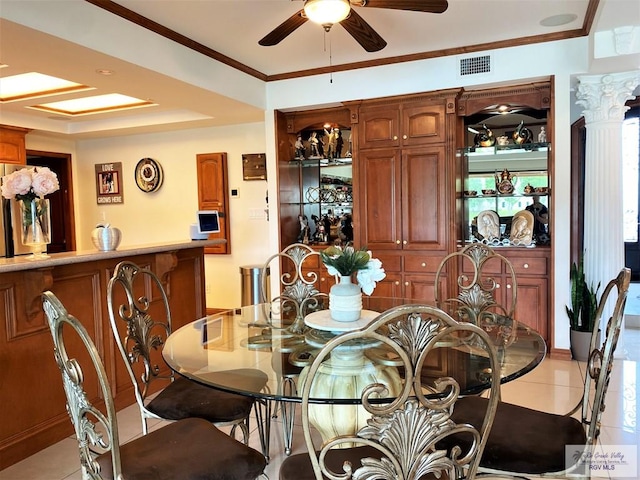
(330, 56)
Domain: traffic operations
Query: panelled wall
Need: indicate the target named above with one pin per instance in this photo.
(31, 393)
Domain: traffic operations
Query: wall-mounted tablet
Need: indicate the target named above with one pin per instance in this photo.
(208, 221)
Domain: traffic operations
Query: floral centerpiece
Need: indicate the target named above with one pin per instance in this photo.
(345, 298)
(29, 186)
(347, 261)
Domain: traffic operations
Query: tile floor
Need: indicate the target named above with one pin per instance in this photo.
(553, 386)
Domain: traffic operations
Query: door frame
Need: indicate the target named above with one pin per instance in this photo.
(65, 178)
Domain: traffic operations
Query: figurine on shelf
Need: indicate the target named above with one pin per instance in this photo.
(346, 228)
(522, 229)
(331, 137)
(542, 136)
(522, 134)
(484, 137)
(303, 235)
(339, 144)
(314, 144)
(488, 225)
(299, 148)
(505, 182)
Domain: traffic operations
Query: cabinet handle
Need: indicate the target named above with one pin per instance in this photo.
(395, 137)
(526, 265)
(322, 279)
(497, 285)
(423, 264)
(508, 286)
(404, 137)
(404, 242)
(397, 282)
(398, 242)
(406, 284)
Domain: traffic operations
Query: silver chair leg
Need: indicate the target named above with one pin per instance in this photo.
(288, 410)
(262, 408)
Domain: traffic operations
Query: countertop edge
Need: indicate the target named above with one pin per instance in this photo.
(21, 262)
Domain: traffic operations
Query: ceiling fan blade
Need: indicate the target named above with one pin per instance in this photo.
(283, 30)
(363, 33)
(430, 6)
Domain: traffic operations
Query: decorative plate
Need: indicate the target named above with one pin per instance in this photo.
(148, 175)
(321, 320)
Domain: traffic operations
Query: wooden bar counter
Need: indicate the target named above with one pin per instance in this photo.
(32, 400)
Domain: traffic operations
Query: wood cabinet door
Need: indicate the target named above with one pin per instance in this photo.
(424, 201)
(380, 200)
(532, 308)
(422, 124)
(420, 288)
(379, 126)
(213, 194)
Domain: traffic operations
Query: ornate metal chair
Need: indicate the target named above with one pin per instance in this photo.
(401, 437)
(140, 324)
(530, 442)
(298, 266)
(299, 295)
(478, 299)
(187, 449)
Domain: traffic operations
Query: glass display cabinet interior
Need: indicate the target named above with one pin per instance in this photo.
(506, 170)
(315, 181)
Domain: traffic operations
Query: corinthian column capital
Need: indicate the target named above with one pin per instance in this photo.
(604, 96)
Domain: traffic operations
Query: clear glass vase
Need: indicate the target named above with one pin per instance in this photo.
(36, 226)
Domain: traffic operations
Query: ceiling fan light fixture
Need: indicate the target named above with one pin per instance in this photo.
(327, 12)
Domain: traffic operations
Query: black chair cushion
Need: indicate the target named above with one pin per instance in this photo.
(522, 440)
(189, 449)
(184, 398)
(298, 467)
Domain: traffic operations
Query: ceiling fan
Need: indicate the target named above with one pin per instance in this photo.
(329, 12)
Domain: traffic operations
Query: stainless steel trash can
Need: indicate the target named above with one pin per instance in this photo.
(251, 283)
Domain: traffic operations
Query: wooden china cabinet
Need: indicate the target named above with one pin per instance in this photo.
(314, 185)
(531, 164)
(410, 168)
(405, 173)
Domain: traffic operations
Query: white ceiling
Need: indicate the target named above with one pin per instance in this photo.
(233, 28)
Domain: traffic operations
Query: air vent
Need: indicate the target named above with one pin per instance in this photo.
(475, 65)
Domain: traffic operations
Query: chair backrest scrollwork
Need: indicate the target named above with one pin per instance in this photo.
(298, 280)
(480, 300)
(141, 322)
(601, 357)
(95, 431)
(403, 435)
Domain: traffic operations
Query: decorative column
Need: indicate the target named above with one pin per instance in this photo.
(603, 98)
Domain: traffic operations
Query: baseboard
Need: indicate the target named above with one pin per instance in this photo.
(560, 354)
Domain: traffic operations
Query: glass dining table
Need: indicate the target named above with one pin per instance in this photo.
(234, 350)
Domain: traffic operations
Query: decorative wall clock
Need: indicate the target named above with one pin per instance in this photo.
(148, 175)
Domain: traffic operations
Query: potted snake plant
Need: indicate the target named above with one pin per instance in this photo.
(582, 312)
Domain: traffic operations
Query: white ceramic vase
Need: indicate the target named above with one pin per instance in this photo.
(345, 301)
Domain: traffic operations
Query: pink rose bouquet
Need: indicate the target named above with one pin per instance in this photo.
(29, 183)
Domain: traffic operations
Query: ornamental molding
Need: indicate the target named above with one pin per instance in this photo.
(604, 96)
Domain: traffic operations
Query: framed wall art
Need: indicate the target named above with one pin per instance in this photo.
(109, 183)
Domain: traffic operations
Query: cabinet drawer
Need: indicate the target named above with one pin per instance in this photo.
(421, 263)
(390, 262)
(529, 265)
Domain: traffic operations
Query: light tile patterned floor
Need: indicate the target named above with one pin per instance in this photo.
(553, 386)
